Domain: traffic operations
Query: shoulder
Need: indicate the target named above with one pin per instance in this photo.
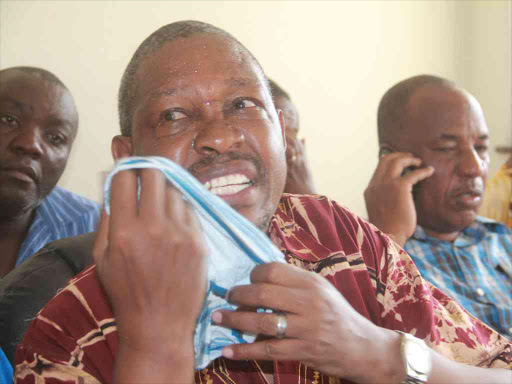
(312, 211)
(81, 203)
(76, 328)
(322, 224)
(68, 206)
(491, 226)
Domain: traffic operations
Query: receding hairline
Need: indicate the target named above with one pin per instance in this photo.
(394, 105)
(49, 78)
(39, 73)
(156, 41)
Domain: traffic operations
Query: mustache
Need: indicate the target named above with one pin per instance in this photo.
(219, 159)
(475, 186)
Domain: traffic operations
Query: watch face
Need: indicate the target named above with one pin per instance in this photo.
(418, 356)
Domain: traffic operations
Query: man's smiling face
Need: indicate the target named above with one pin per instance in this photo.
(203, 102)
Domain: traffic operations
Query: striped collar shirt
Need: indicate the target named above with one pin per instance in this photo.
(475, 269)
(61, 214)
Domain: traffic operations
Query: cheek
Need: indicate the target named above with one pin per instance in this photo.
(433, 190)
(270, 143)
(54, 165)
(178, 149)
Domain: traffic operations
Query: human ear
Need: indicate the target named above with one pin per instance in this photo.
(385, 149)
(121, 147)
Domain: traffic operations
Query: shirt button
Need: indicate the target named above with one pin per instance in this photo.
(480, 292)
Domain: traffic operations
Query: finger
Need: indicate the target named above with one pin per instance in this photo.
(393, 165)
(123, 199)
(270, 349)
(177, 208)
(419, 174)
(152, 194)
(101, 240)
(262, 323)
(264, 295)
(281, 274)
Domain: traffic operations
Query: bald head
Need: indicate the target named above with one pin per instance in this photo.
(162, 36)
(39, 73)
(394, 105)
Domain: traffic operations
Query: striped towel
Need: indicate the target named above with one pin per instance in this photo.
(235, 246)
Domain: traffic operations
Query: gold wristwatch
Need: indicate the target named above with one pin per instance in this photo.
(417, 359)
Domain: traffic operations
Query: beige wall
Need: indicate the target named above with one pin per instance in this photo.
(335, 58)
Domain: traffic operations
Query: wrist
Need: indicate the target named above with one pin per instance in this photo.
(382, 360)
(163, 363)
(392, 368)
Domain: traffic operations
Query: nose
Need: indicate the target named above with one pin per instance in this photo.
(217, 137)
(471, 164)
(28, 142)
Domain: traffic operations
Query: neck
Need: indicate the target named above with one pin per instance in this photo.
(442, 236)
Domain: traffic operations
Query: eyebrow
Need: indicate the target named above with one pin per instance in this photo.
(240, 81)
(58, 122)
(17, 104)
(448, 137)
(165, 92)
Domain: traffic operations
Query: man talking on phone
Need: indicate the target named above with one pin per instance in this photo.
(427, 188)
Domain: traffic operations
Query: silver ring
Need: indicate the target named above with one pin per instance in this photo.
(281, 325)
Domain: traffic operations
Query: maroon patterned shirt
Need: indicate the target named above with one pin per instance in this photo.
(74, 338)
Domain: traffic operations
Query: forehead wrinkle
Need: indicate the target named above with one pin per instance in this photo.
(240, 82)
(166, 92)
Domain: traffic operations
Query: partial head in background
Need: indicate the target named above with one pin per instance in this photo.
(38, 124)
(299, 179)
(283, 102)
(443, 125)
(194, 94)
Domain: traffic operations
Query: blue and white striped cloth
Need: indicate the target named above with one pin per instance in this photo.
(235, 246)
(61, 214)
(475, 270)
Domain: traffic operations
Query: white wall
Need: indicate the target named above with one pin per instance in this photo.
(335, 58)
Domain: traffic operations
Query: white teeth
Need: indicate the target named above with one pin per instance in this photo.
(233, 180)
(229, 189)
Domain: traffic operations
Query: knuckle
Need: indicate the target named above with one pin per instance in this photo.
(154, 231)
(273, 271)
(317, 348)
(266, 325)
(262, 294)
(271, 349)
(120, 238)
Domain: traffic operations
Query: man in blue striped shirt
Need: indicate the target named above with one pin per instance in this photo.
(38, 124)
(428, 187)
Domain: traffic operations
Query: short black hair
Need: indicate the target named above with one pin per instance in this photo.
(394, 104)
(39, 72)
(163, 35)
(277, 91)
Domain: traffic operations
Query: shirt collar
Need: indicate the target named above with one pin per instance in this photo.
(292, 239)
(472, 234)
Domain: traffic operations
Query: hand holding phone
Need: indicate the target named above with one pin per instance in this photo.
(390, 194)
